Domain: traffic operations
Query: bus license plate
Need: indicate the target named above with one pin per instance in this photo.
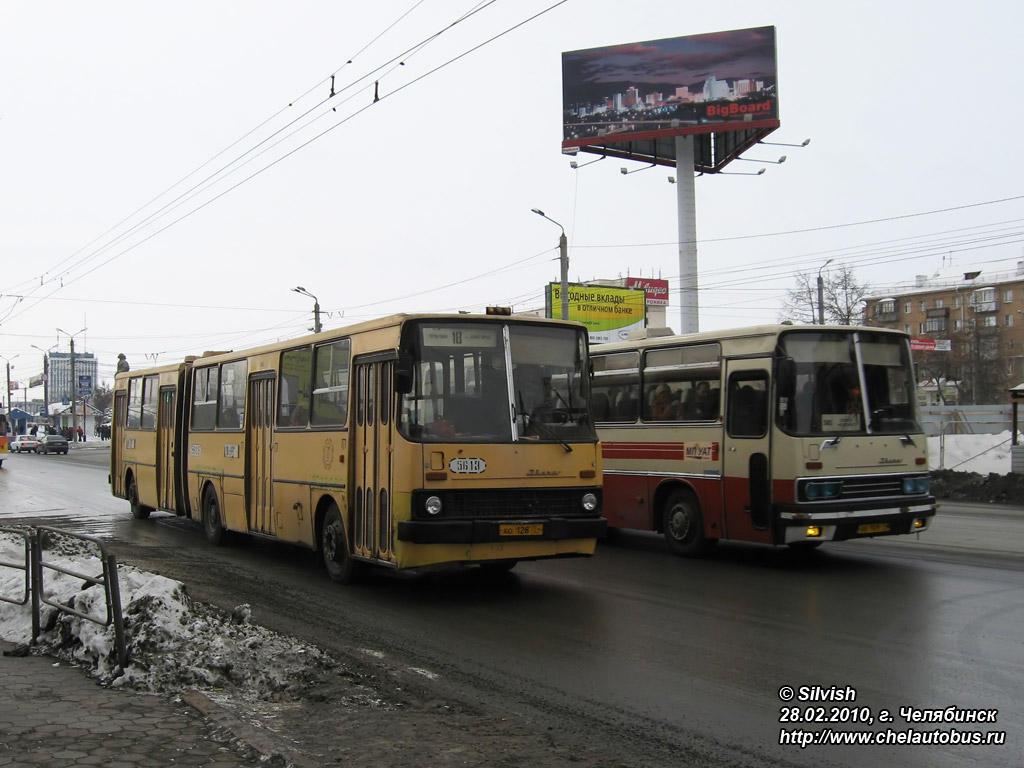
(873, 528)
(519, 529)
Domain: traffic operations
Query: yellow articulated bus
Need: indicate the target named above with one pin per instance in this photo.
(772, 434)
(410, 442)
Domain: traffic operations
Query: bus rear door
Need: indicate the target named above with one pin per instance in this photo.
(260, 442)
(372, 455)
(165, 476)
(747, 474)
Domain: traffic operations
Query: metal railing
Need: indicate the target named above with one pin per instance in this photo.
(38, 564)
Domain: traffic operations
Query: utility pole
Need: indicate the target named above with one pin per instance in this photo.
(74, 384)
(821, 294)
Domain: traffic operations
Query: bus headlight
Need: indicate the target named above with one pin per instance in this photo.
(589, 502)
(432, 505)
(920, 484)
(823, 490)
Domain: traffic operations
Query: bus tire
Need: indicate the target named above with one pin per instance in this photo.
(684, 525)
(337, 559)
(212, 525)
(139, 510)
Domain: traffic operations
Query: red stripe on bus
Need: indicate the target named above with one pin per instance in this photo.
(663, 451)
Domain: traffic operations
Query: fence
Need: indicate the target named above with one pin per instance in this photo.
(36, 566)
(966, 419)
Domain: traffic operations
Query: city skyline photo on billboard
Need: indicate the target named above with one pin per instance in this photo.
(695, 84)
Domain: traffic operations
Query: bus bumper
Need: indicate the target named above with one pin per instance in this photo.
(491, 531)
(844, 520)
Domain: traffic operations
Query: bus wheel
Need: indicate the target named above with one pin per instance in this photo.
(212, 526)
(684, 527)
(334, 548)
(139, 512)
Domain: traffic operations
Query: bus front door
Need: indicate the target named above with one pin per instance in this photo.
(747, 498)
(165, 450)
(260, 445)
(374, 433)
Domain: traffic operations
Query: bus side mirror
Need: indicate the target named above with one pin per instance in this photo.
(785, 377)
(403, 374)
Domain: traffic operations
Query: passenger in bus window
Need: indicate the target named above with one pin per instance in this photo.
(701, 403)
(663, 407)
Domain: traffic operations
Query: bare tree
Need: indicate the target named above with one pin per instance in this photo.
(842, 295)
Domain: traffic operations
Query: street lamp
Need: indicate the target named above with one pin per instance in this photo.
(46, 377)
(316, 307)
(74, 382)
(8, 361)
(758, 172)
(625, 171)
(821, 294)
(563, 259)
(803, 143)
(780, 161)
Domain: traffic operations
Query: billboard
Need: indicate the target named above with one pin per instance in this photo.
(632, 100)
(609, 313)
(656, 289)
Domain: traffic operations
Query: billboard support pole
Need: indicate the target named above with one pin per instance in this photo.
(686, 212)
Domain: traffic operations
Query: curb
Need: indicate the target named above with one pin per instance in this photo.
(270, 747)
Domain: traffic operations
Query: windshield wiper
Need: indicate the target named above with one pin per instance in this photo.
(540, 426)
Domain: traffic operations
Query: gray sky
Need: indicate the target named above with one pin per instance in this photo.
(421, 201)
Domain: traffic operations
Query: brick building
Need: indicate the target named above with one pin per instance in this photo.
(980, 316)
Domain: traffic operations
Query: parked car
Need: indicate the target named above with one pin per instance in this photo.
(22, 443)
(53, 444)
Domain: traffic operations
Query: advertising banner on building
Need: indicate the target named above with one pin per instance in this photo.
(931, 345)
(656, 290)
(609, 313)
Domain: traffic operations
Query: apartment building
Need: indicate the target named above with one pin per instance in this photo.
(969, 331)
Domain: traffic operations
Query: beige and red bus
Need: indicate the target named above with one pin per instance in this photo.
(410, 442)
(775, 434)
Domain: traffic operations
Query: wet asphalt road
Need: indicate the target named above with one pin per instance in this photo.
(666, 661)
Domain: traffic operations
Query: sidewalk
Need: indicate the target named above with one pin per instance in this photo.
(53, 714)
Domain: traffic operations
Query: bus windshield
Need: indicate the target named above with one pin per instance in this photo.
(839, 382)
(491, 382)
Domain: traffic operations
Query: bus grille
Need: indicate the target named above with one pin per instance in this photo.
(515, 503)
(872, 487)
(857, 487)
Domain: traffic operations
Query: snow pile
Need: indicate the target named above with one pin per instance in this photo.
(172, 642)
(984, 454)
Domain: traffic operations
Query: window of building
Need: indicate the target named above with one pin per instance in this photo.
(956, 302)
(885, 307)
(907, 307)
(989, 321)
(921, 305)
(906, 328)
(957, 325)
(1008, 321)
(940, 303)
(1008, 296)
(935, 324)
